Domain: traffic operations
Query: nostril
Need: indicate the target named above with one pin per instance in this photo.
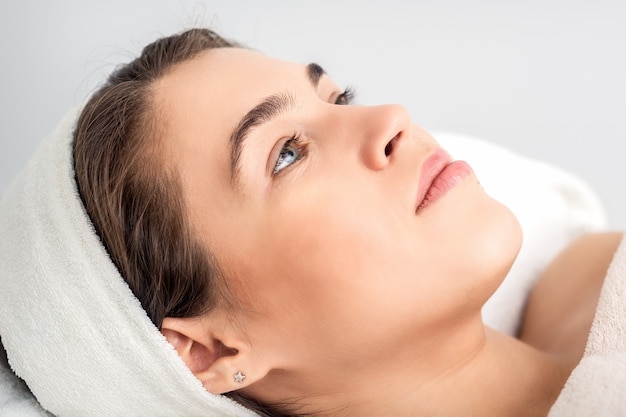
(389, 145)
(388, 148)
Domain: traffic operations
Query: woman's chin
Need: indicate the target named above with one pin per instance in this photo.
(501, 245)
(487, 240)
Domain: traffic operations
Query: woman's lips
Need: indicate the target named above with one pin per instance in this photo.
(439, 175)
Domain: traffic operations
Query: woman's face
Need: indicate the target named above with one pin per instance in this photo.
(324, 215)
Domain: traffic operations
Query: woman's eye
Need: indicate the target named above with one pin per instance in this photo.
(346, 97)
(291, 152)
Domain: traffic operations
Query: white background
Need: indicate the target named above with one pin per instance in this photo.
(546, 78)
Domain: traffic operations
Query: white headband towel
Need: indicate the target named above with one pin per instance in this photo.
(70, 325)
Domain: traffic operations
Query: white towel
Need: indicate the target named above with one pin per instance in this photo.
(15, 398)
(70, 325)
(597, 387)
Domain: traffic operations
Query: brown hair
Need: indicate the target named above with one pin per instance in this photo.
(135, 200)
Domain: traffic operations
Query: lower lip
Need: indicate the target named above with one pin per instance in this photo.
(447, 179)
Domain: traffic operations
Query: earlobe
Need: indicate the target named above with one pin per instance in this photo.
(218, 360)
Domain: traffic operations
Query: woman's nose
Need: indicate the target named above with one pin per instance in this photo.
(383, 128)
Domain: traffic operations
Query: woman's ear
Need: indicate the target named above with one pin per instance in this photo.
(215, 352)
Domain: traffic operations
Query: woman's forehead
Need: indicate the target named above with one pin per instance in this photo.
(227, 66)
(222, 85)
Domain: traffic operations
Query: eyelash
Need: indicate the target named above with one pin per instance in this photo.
(346, 97)
(295, 141)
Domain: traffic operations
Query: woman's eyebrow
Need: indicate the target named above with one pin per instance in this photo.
(263, 112)
(314, 72)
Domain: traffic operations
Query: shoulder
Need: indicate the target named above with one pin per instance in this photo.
(562, 305)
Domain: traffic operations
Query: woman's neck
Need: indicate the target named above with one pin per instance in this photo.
(496, 375)
(504, 377)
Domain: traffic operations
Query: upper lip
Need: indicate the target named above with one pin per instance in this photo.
(433, 165)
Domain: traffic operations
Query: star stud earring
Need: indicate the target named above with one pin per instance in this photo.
(239, 377)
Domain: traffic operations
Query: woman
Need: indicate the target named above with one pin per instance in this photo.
(295, 249)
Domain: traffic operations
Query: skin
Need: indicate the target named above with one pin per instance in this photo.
(562, 305)
(348, 301)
